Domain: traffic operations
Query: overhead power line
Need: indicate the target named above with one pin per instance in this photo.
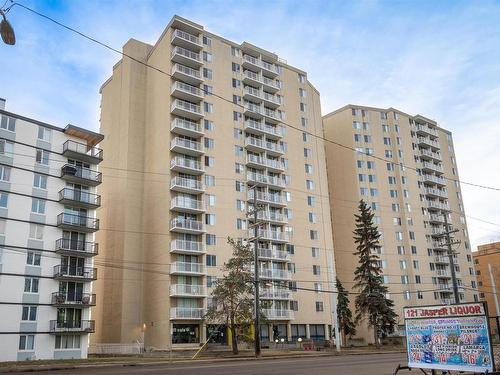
(123, 54)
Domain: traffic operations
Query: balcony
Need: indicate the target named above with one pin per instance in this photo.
(255, 161)
(187, 290)
(444, 288)
(275, 165)
(275, 236)
(186, 40)
(187, 226)
(272, 115)
(443, 274)
(432, 179)
(426, 154)
(186, 127)
(273, 217)
(252, 78)
(80, 151)
(186, 185)
(256, 63)
(435, 205)
(186, 147)
(441, 259)
(436, 192)
(271, 100)
(187, 92)
(186, 109)
(187, 268)
(184, 204)
(425, 130)
(272, 199)
(426, 141)
(262, 179)
(73, 273)
(185, 165)
(273, 254)
(268, 293)
(447, 301)
(186, 313)
(186, 74)
(253, 110)
(259, 128)
(76, 300)
(79, 198)
(269, 69)
(80, 175)
(187, 247)
(259, 145)
(431, 167)
(273, 314)
(270, 85)
(67, 246)
(252, 94)
(77, 222)
(436, 219)
(71, 326)
(186, 57)
(275, 274)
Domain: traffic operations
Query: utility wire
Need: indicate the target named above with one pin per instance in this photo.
(107, 46)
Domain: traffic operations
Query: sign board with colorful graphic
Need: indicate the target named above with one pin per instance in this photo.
(449, 337)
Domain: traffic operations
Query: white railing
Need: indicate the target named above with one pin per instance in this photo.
(187, 267)
(273, 254)
(187, 106)
(186, 183)
(186, 313)
(186, 70)
(275, 293)
(186, 36)
(191, 246)
(187, 88)
(188, 203)
(186, 143)
(435, 167)
(431, 154)
(426, 129)
(185, 124)
(194, 225)
(186, 53)
(179, 161)
(271, 216)
(275, 274)
(188, 290)
(278, 314)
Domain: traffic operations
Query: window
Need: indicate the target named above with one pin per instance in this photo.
(288, 212)
(240, 205)
(210, 200)
(288, 196)
(236, 83)
(208, 125)
(208, 107)
(4, 199)
(312, 217)
(236, 99)
(240, 186)
(306, 137)
(392, 180)
(26, 342)
(387, 141)
(29, 313)
(6, 147)
(372, 178)
(208, 90)
(402, 264)
(370, 164)
(67, 341)
(40, 181)
(309, 185)
(313, 234)
(356, 125)
(406, 295)
(385, 128)
(209, 161)
(303, 107)
(319, 306)
(294, 305)
(209, 180)
(38, 206)
(388, 153)
(399, 236)
(315, 252)
(316, 270)
(42, 157)
(238, 151)
(302, 92)
(210, 219)
(33, 259)
(361, 177)
(318, 287)
(290, 249)
(305, 122)
(308, 168)
(8, 123)
(393, 193)
(211, 281)
(30, 285)
(375, 206)
(401, 250)
(390, 167)
(241, 224)
(418, 279)
(211, 239)
(207, 41)
(207, 56)
(209, 143)
(36, 231)
(44, 134)
(207, 73)
(307, 152)
(4, 173)
(302, 78)
(311, 201)
(404, 279)
(239, 168)
(211, 260)
(383, 115)
(414, 250)
(373, 192)
(363, 191)
(368, 138)
(235, 51)
(360, 163)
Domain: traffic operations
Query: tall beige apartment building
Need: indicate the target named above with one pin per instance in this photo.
(404, 167)
(186, 152)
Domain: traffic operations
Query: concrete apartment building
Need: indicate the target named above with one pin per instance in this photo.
(47, 224)
(409, 184)
(182, 167)
(487, 263)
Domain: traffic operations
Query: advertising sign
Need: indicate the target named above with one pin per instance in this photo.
(448, 337)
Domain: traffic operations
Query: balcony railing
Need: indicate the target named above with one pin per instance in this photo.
(186, 184)
(428, 141)
(188, 290)
(77, 299)
(438, 205)
(264, 128)
(186, 313)
(274, 314)
(74, 272)
(186, 106)
(80, 197)
(273, 254)
(265, 197)
(186, 53)
(76, 221)
(430, 154)
(432, 166)
(86, 326)
(188, 144)
(187, 203)
(272, 216)
(443, 273)
(187, 127)
(79, 174)
(182, 162)
(187, 74)
(436, 192)
(81, 151)
(188, 225)
(188, 246)
(187, 267)
(186, 36)
(77, 247)
(426, 129)
(434, 179)
(275, 293)
(188, 89)
(275, 274)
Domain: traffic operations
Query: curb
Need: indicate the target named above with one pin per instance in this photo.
(48, 367)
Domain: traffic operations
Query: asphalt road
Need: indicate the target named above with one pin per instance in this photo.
(371, 364)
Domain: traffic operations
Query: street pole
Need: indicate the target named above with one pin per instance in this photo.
(450, 258)
(333, 299)
(494, 287)
(256, 273)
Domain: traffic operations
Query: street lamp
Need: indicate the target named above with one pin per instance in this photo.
(7, 31)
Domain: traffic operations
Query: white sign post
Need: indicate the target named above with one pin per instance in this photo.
(449, 337)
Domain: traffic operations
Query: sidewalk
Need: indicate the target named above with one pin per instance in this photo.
(50, 365)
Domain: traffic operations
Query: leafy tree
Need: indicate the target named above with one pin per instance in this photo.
(344, 313)
(371, 302)
(233, 294)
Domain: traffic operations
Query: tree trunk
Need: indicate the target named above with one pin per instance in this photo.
(375, 336)
(234, 336)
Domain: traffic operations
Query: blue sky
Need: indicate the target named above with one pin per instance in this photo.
(436, 58)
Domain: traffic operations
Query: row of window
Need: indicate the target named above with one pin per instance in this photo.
(27, 342)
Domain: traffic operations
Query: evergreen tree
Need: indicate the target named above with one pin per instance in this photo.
(371, 303)
(233, 294)
(346, 324)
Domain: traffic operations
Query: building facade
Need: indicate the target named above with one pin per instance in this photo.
(187, 151)
(47, 224)
(404, 167)
(487, 264)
